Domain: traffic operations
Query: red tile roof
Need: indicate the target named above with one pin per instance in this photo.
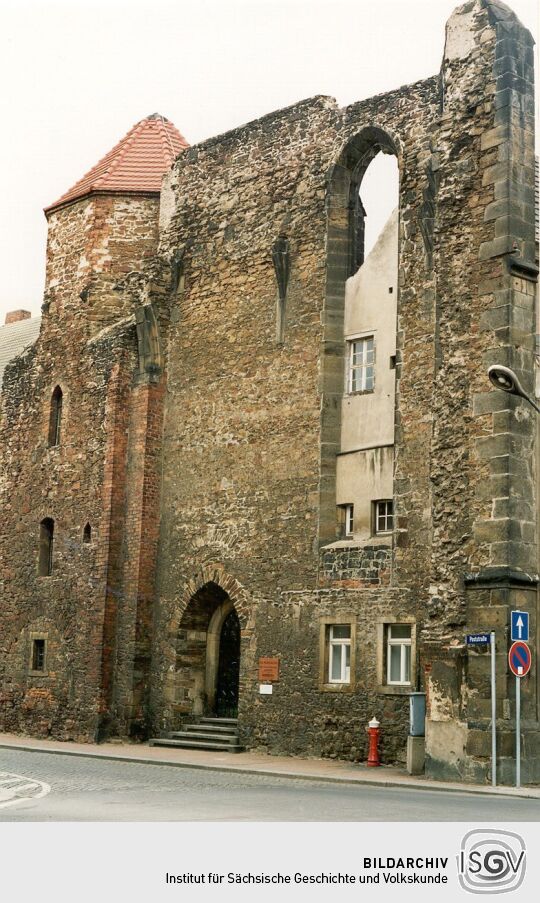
(136, 164)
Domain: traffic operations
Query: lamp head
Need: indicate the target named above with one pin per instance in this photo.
(505, 379)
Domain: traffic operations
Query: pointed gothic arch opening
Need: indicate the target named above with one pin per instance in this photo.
(355, 361)
(208, 654)
(55, 417)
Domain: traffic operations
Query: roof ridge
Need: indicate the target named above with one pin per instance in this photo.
(165, 132)
(124, 144)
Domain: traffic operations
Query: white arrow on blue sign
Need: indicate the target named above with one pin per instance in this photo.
(519, 625)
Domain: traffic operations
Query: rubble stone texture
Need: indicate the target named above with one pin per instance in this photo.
(201, 357)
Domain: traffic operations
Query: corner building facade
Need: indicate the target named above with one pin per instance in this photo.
(284, 451)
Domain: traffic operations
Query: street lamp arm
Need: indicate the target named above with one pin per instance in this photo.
(505, 379)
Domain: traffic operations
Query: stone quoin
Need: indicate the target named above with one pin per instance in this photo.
(233, 435)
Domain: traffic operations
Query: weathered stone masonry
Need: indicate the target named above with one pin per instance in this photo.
(203, 364)
(280, 179)
(92, 354)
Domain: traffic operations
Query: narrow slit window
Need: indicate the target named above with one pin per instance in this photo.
(38, 655)
(55, 421)
(87, 534)
(46, 542)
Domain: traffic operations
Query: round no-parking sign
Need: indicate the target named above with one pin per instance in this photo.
(519, 659)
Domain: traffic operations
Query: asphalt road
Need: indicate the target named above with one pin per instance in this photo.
(51, 787)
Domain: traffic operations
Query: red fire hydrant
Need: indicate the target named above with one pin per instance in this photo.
(373, 753)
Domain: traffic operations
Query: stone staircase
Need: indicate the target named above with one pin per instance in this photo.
(219, 734)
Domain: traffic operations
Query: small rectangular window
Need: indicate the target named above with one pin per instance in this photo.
(361, 357)
(38, 655)
(339, 654)
(398, 654)
(346, 520)
(383, 516)
(349, 520)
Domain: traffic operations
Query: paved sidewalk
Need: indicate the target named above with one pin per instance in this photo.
(256, 763)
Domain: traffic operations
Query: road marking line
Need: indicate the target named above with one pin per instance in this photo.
(18, 784)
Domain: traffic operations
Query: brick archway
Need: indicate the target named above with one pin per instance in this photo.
(215, 573)
(206, 601)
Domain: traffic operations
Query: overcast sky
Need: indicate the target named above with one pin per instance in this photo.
(76, 76)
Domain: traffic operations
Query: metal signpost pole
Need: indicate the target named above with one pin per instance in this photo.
(518, 732)
(493, 714)
(520, 660)
(477, 640)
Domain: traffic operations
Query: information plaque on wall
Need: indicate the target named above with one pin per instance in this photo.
(269, 669)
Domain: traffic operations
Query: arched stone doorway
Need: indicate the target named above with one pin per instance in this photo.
(226, 684)
(208, 654)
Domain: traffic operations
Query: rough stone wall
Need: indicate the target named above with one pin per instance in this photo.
(241, 433)
(134, 611)
(304, 717)
(64, 483)
(248, 418)
(369, 565)
(92, 244)
(245, 416)
(478, 317)
(482, 446)
(256, 232)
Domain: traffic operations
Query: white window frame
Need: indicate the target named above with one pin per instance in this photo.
(349, 519)
(384, 516)
(333, 643)
(365, 369)
(404, 643)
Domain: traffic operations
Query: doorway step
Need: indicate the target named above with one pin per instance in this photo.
(219, 734)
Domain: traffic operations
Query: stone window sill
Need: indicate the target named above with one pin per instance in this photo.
(395, 690)
(380, 541)
(336, 688)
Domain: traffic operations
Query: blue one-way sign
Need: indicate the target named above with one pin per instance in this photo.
(519, 623)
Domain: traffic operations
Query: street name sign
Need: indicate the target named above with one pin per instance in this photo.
(478, 639)
(519, 659)
(519, 625)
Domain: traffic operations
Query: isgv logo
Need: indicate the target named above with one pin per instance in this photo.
(491, 862)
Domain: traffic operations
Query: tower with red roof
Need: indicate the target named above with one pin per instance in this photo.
(82, 420)
(106, 225)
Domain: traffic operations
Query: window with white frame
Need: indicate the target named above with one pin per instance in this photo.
(398, 654)
(339, 654)
(349, 520)
(361, 370)
(384, 516)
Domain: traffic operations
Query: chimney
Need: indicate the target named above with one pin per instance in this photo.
(15, 316)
